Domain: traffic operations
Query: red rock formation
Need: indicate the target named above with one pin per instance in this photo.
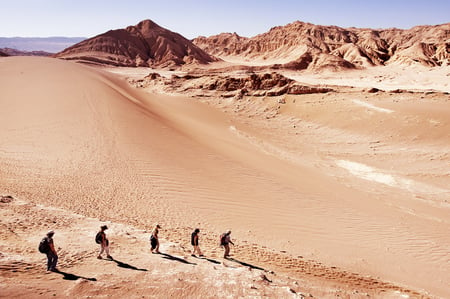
(303, 45)
(146, 44)
(265, 84)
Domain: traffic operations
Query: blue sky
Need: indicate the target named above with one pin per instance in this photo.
(191, 18)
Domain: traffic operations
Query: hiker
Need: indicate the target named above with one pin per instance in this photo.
(101, 239)
(154, 241)
(194, 242)
(225, 241)
(50, 251)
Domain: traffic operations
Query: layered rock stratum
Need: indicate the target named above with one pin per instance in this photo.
(302, 45)
(295, 46)
(146, 44)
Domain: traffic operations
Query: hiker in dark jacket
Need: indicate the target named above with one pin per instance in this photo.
(154, 239)
(225, 241)
(194, 242)
(104, 243)
(52, 256)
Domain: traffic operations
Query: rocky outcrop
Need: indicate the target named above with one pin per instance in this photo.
(306, 46)
(266, 84)
(146, 44)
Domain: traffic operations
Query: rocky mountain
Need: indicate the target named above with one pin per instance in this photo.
(306, 46)
(146, 44)
(3, 54)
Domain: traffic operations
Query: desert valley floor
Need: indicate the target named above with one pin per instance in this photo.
(344, 193)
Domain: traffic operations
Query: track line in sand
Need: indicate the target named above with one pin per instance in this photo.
(372, 107)
(369, 173)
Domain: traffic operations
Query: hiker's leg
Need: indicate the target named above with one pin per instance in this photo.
(107, 252)
(227, 250)
(153, 244)
(54, 261)
(49, 260)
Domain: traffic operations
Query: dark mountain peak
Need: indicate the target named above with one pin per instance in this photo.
(145, 44)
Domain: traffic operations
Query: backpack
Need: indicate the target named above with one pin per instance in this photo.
(223, 239)
(193, 238)
(98, 238)
(44, 247)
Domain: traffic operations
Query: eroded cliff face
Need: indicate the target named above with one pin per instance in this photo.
(303, 45)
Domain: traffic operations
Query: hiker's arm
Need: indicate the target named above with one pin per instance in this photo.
(52, 248)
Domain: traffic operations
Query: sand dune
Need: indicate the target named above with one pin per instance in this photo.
(315, 180)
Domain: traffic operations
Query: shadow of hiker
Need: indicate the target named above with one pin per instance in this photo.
(206, 259)
(174, 258)
(70, 276)
(212, 261)
(245, 264)
(127, 266)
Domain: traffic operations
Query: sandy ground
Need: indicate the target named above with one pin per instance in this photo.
(390, 77)
(339, 194)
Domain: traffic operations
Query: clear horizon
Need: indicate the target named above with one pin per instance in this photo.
(190, 18)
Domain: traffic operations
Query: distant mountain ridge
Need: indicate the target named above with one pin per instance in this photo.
(14, 52)
(296, 46)
(146, 44)
(300, 45)
(45, 44)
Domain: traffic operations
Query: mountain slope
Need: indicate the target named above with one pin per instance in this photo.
(332, 46)
(146, 44)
